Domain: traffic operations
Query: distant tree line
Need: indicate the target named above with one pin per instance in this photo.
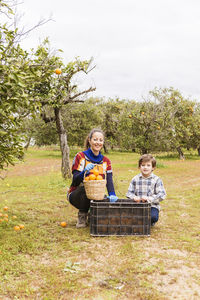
(165, 121)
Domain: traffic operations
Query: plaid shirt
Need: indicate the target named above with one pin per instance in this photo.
(151, 186)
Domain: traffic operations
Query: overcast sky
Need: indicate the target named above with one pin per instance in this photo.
(136, 45)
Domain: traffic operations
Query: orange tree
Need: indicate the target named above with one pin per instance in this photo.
(176, 114)
(160, 123)
(56, 90)
(140, 127)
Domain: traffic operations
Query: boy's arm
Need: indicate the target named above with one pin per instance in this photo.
(131, 194)
(159, 193)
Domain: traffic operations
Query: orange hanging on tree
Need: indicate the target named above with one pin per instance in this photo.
(58, 71)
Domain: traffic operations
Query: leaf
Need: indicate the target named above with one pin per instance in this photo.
(72, 267)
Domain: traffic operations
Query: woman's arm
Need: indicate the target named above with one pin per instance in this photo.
(77, 177)
(110, 185)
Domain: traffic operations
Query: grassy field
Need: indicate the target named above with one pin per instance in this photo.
(45, 261)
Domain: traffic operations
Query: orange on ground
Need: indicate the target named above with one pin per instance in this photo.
(21, 226)
(14, 217)
(63, 224)
(99, 177)
(58, 71)
(92, 177)
(16, 228)
(5, 208)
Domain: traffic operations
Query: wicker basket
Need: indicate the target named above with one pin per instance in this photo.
(95, 189)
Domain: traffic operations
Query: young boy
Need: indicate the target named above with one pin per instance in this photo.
(147, 187)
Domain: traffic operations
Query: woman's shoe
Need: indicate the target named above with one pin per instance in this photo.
(82, 220)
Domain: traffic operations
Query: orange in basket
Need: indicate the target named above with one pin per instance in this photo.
(95, 172)
(92, 177)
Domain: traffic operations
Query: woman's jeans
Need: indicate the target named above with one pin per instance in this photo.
(79, 199)
(154, 215)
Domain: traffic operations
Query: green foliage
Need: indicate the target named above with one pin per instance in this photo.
(80, 118)
(39, 132)
(19, 97)
(14, 101)
(112, 110)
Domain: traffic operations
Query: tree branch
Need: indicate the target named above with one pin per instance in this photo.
(72, 99)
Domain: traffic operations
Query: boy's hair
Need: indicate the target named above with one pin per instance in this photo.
(145, 158)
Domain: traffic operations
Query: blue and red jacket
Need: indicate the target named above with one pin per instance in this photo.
(86, 157)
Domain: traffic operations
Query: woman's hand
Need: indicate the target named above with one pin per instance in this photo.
(112, 198)
(89, 167)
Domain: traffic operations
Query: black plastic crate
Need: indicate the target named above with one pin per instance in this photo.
(123, 217)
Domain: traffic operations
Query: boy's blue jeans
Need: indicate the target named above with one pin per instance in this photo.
(154, 215)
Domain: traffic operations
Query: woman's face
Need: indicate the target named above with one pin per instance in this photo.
(96, 142)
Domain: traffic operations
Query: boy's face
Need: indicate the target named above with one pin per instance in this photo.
(146, 168)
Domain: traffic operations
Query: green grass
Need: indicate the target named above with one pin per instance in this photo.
(46, 261)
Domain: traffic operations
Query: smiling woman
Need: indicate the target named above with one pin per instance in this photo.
(84, 163)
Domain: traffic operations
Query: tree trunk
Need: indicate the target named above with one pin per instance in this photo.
(180, 152)
(198, 149)
(105, 148)
(65, 167)
(28, 143)
(144, 151)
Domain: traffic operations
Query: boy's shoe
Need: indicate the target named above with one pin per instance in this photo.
(82, 220)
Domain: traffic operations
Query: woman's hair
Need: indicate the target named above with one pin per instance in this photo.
(146, 158)
(88, 138)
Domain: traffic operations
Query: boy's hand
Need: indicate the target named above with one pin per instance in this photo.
(144, 199)
(136, 199)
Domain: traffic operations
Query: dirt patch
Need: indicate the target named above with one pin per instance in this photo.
(34, 167)
(177, 280)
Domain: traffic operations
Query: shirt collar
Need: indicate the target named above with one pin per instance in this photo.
(149, 177)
